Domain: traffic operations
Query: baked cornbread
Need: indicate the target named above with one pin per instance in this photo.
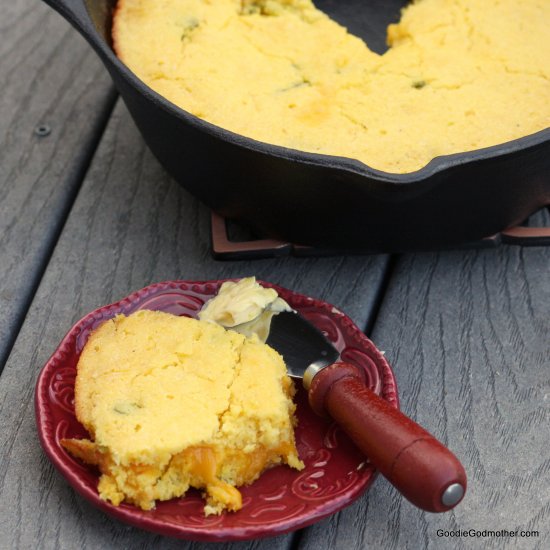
(459, 75)
(172, 402)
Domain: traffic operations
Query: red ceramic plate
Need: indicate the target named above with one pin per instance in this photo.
(282, 499)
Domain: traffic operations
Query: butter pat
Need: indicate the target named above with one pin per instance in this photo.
(244, 306)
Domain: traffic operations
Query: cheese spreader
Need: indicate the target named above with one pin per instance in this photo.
(421, 468)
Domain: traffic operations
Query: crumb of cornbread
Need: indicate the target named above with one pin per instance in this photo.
(459, 75)
(171, 403)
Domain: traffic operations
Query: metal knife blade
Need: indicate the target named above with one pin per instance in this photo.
(300, 343)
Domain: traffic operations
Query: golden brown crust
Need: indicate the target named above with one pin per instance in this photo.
(120, 5)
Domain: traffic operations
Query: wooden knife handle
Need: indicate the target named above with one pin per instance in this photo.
(416, 464)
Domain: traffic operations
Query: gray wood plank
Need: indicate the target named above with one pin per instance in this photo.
(468, 335)
(130, 225)
(50, 78)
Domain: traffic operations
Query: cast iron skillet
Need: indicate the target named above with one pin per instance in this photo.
(324, 200)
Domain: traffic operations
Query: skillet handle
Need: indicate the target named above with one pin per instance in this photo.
(526, 236)
(416, 464)
(74, 12)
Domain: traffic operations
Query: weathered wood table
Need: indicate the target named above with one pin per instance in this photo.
(87, 215)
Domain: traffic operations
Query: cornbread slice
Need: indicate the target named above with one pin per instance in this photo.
(172, 402)
(459, 75)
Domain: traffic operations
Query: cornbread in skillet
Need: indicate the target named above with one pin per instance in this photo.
(172, 403)
(459, 75)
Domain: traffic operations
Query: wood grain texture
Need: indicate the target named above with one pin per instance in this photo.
(49, 77)
(468, 335)
(130, 225)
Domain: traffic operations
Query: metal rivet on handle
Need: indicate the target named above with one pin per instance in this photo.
(43, 130)
(452, 494)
